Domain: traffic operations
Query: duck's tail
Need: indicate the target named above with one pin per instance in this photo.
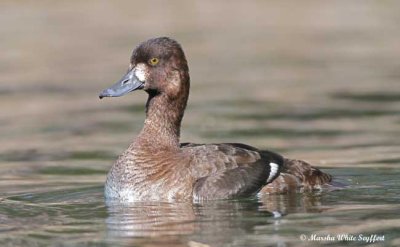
(298, 175)
(311, 178)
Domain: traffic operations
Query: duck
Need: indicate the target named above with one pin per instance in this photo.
(157, 167)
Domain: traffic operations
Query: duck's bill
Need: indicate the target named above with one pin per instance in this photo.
(127, 84)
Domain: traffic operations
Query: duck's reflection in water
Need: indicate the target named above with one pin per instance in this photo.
(213, 222)
(150, 219)
(291, 203)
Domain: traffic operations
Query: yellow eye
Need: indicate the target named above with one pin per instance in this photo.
(153, 61)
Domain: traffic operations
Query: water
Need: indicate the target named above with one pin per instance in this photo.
(317, 81)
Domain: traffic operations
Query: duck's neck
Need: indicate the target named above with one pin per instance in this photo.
(163, 121)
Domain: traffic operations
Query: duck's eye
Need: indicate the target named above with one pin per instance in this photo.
(153, 61)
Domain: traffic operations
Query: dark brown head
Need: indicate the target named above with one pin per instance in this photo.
(157, 66)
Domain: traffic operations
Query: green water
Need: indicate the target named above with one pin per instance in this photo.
(70, 214)
(317, 81)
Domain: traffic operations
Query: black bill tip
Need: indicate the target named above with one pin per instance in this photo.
(104, 93)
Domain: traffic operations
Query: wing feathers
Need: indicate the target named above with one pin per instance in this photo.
(237, 170)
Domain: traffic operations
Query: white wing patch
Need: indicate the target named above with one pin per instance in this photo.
(272, 171)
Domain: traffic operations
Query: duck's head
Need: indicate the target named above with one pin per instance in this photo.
(157, 66)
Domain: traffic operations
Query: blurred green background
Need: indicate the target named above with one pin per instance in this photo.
(255, 65)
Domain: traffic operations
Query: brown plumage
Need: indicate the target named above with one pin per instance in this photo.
(297, 175)
(157, 167)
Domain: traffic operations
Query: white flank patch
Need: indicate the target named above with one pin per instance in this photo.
(140, 71)
(273, 171)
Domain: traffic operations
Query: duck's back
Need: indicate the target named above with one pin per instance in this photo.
(230, 170)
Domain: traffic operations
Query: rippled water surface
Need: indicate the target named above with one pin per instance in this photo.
(317, 81)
